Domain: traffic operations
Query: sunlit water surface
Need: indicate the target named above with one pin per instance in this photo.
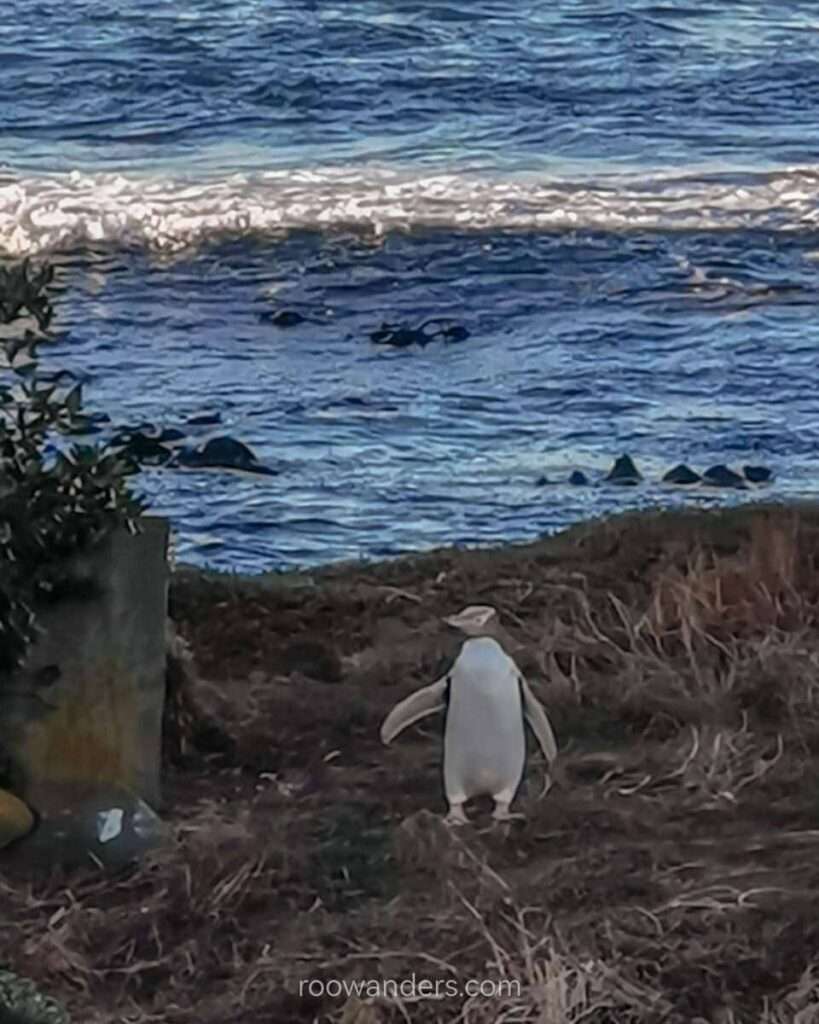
(617, 201)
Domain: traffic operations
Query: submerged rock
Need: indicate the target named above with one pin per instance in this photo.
(170, 435)
(148, 444)
(624, 472)
(542, 481)
(722, 476)
(16, 819)
(578, 478)
(222, 453)
(87, 423)
(81, 427)
(81, 824)
(401, 336)
(451, 332)
(146, 449)
(204, 419)
(398, 336)
(282, 318)
(757, 474)
(681, 474)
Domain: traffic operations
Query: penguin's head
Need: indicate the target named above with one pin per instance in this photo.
(476, 620)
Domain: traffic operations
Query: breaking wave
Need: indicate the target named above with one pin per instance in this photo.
(76, 210)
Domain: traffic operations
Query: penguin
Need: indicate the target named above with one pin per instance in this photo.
(487, 701)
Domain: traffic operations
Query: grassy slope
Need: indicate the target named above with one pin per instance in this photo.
(670, 873)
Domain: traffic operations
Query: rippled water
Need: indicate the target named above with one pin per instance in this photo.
(617, 201)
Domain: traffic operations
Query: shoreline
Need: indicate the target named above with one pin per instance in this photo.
(722, 517)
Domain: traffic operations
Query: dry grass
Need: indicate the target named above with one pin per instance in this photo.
(668, 874)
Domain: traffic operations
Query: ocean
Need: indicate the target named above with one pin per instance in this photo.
(613, 206)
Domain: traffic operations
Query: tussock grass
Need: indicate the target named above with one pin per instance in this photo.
(667, 872)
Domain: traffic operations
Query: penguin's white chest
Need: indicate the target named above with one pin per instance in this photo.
(484, 741)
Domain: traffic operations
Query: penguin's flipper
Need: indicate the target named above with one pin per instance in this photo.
(418, 705)
(539, 721)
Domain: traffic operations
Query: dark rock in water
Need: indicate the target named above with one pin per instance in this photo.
(449, 332)
(398, 336)
(757, 474)
(722, 476)
(89, 823)
(146, 449)
(81, 427)
(681, 474)
(229, 451)
(222, 453)
(141, 447)
(205, 419)
(147, 442)
(120, 438)
(578, 478)
(168, 435)
(88, 423)
(542, 481)
(401, 336)
(624, 472)
(282, 318)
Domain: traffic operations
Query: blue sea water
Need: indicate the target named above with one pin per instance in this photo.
(619, 201)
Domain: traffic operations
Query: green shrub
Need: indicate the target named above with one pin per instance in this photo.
(53, 504)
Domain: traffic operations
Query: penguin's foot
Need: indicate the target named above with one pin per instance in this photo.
(456, 815)
(502, 812)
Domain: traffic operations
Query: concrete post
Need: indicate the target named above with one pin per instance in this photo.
(87, 705)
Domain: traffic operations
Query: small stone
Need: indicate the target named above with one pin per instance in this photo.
(757, 474)
(722, 476)
(578, 478)
(542, 481)
(681, 474)
(624, 472)
(16, 820)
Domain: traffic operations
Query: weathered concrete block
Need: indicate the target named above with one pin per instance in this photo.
(87, 705)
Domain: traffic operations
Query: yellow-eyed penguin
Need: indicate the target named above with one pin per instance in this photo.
(487, 700)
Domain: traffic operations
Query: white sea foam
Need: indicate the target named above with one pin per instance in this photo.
(70, 211)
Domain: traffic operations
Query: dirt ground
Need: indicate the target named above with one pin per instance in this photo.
(668, 873)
